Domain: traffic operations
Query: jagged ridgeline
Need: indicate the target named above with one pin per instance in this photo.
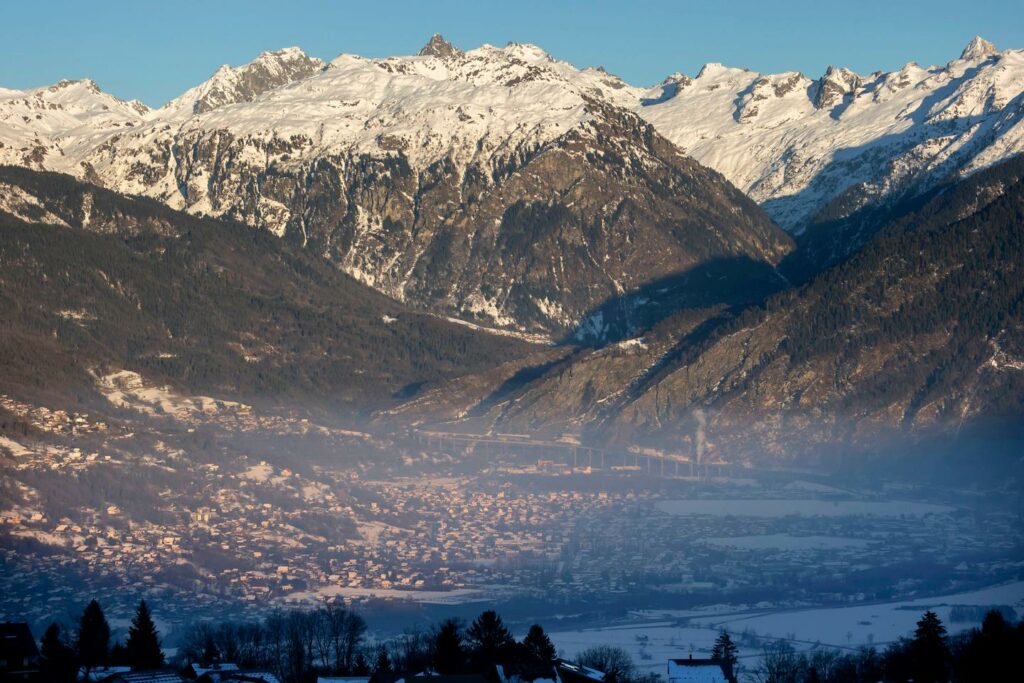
(507, 188)
(515, 190)
(90, 279)
(922, 332)
(498, 185)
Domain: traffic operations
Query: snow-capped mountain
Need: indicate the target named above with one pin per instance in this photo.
(918, 334)
(56, 125)
(797, 145)
(499, 185)
(505, 186)
(230, 85)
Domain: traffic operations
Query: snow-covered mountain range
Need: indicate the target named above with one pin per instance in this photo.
(794, 144)
(412, 173)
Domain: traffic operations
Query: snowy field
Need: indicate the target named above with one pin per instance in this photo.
(787, 542)
(653, 642)
(806, 508)
(867, 624)
(650, 644)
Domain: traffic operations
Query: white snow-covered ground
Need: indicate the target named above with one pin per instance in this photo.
(866, 624)
(127, 389)
(653, 641)
(787, 542)
(806, 508)
(15, 448)
(650, 645)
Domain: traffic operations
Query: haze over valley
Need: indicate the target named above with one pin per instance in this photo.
(478, 328)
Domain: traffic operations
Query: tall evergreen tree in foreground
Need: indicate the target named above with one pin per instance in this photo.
(93, 637)
(383, 662)
(726, 651)
(490, 639)
(538, 646)
(57, 657)
(143, 646)
(536, 654)
(448, 654)
(929, 650)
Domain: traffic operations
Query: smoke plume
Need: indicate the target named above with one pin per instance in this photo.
(700, 438)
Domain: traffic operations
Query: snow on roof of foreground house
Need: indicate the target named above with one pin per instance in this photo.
(696, 671)
(158, 676)
(199, 670)
(567, 672)
(229, 673)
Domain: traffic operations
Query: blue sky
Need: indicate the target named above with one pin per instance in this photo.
(156, 50)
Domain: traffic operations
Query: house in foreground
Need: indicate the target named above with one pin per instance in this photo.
(157, 676)
(19, 656)
(696, 671)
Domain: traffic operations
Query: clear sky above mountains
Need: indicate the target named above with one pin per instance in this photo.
(155, 50)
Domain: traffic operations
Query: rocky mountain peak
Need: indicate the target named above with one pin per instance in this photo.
(437, 46)
(85, 83)
(230, 85)
(834, 86)
(677, 77)
(978, 48)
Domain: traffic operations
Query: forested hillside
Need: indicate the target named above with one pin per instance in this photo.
(920, 331)
(91, 280)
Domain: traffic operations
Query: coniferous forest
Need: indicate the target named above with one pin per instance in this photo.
(299, 645)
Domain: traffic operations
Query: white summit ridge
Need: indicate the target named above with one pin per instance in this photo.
(799, 146)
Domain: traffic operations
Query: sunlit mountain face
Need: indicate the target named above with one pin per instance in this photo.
(481, 364)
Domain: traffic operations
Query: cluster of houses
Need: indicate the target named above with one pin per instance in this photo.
(52, 421)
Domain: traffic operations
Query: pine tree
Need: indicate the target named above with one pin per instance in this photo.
(211, 654)
(448, 653)
(93, 642)
(539, 646)
(489, 637)
(143, 646)
(360, 667)
(57, 657)
(118, 655)
(929, 650)
(726, 651)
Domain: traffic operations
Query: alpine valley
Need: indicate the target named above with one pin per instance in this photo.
(423, 331)
(771, 249)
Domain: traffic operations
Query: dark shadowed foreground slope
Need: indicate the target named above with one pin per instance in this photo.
(92, 281)
(920, 332)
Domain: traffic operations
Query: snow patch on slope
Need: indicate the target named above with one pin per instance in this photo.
(794, 144)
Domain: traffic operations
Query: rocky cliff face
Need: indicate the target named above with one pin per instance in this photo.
(827, 158)
(500, 185)
(92, 282)
(233, 85)
(920, 332)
